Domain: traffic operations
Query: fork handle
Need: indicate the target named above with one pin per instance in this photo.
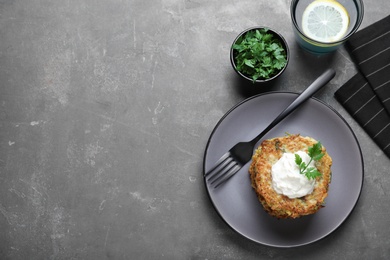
(305, 95)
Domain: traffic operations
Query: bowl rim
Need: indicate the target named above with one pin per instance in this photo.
(275, 33)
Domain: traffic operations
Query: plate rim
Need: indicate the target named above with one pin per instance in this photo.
(296, 94)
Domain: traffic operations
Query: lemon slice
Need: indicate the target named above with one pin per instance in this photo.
(325, 21)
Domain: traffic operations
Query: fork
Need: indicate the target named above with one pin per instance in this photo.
(241, 153)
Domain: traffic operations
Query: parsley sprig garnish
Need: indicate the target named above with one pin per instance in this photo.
(315, 153)
(259, 54)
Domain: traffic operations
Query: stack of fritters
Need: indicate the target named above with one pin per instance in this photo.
(278, 205)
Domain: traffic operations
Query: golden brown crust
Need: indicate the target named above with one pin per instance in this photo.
(278, 205)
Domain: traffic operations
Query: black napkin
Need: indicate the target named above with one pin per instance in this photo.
(366, 96)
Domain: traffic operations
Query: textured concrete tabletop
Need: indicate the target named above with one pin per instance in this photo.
(106, 107)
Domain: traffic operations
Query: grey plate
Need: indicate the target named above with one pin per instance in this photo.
(236, 201)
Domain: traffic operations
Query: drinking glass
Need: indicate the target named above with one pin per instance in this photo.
(355, 11)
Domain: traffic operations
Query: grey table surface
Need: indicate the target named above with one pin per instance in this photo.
(105, 111)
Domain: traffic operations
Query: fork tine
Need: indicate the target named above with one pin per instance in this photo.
(218, 163)
(226, 167)
(224, 177)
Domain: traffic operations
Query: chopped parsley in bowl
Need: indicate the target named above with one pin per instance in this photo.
(259, 54)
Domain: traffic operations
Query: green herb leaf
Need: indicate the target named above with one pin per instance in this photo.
(312, 173)
(298, 159)
(249, 63)
(315, 153)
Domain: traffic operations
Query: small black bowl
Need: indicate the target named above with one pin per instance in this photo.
(277, 36)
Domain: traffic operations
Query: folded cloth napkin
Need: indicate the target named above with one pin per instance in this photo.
(366, 96)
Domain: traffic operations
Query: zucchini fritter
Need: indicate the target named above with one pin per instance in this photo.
(278, 205)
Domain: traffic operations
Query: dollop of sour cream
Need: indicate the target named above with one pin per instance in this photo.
(286, 178)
